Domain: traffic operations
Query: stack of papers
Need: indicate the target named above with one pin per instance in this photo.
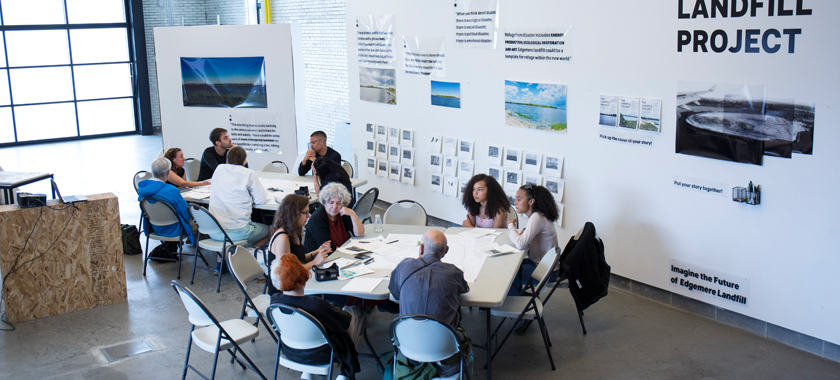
(477, 232)
(202, 192)
(362, 285)
(375, 245)
(495, 249)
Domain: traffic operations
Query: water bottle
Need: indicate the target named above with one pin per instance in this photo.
(377, 224)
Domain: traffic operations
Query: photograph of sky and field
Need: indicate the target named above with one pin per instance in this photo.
(378, 85)
(446, 94)
(224, 82)
(535, 105)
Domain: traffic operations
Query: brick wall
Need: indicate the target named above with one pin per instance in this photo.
(167, 13)
(323, 27)
(231, 12)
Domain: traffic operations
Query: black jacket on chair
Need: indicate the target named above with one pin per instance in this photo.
(587, 269)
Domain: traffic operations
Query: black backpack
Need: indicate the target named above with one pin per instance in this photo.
(130, 239)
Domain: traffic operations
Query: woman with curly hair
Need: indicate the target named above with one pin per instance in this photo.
(539, 235)
(487, 205)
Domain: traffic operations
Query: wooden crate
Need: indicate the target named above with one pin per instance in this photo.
(72, 261)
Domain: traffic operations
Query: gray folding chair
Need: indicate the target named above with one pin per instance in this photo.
(299, 330)
(214, 336)
(246, 268)
(207, 224)
(522, 308)
(192, 167)
(365, 204)
(347, 167)
(405, 212)
(159, 213)
(140, 177)
(424, 339)
(276, 167)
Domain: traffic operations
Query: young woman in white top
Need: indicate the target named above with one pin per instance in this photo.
(539, 235)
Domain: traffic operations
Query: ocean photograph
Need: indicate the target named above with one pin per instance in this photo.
(607, 120)
(535, 105)
(446, 94)
(224, 82)
(378, 85)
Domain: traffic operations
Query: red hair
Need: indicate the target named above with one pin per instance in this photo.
(291, 273)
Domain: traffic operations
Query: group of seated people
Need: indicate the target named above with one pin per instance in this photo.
(423, 285)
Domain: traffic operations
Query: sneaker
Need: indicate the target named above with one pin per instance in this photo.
(219, 267)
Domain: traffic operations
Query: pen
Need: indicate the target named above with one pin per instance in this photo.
(392, 242)
(368, 261)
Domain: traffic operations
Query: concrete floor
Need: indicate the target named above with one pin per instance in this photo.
(630, 337)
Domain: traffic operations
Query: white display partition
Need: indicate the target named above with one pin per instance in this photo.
(189, 128)
(785, 247)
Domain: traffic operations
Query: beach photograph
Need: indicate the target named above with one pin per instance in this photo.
(378, 85)
(224, 82)
(536, 106)
(446, 94)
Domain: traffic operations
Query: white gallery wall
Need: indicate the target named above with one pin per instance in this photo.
(785, 249)
(189, 128)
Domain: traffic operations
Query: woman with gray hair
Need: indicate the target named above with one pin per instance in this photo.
(333, 221)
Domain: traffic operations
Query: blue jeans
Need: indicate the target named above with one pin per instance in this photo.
(252, 232)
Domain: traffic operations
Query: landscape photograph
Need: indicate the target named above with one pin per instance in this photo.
(378, 85)
(224, 82)
(535, 105)
(446, 94)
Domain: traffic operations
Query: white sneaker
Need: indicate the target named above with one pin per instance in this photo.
(306, 376)
(341, 377)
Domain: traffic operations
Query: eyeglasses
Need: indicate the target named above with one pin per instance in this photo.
(528, 186)
(311, 143)
(304, 212)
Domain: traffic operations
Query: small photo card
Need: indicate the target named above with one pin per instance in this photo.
(381, 132)
(407, 137)
(436, 163)
(513, 158)
(465, 149)
(407, 156)
(393, 135)
(450, 165)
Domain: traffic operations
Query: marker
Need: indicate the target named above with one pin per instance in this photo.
(368, 261)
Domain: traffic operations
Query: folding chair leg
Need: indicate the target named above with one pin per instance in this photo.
(370, 346)
(146, 256)
(221, 271)
(187, 360)
(234, 358)
(197, 254)
(180, 252)
(251, 364)
(544, 333)
(580, 316)
(267, 327)
(276, 361)
(216, 356)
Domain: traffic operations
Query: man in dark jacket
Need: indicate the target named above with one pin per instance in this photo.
(317, 148)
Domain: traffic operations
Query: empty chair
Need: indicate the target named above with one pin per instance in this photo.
(214, 336)
(365, 204)
(405, 212)
(246, 268)
(207, 224)
(424, 339)
(299, 330)
(159, 213)
(192, 167)
(522, 308)
(347, 167)
(161, 153)
(276, 167)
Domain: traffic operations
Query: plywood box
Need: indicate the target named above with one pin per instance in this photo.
(73, 259)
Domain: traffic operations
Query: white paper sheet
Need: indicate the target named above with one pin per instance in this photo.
(362, 285)
(476, 232)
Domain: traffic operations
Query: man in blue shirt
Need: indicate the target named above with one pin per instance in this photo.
(158, 188)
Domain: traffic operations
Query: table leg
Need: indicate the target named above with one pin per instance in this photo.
(52, 186)
(489, 357)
